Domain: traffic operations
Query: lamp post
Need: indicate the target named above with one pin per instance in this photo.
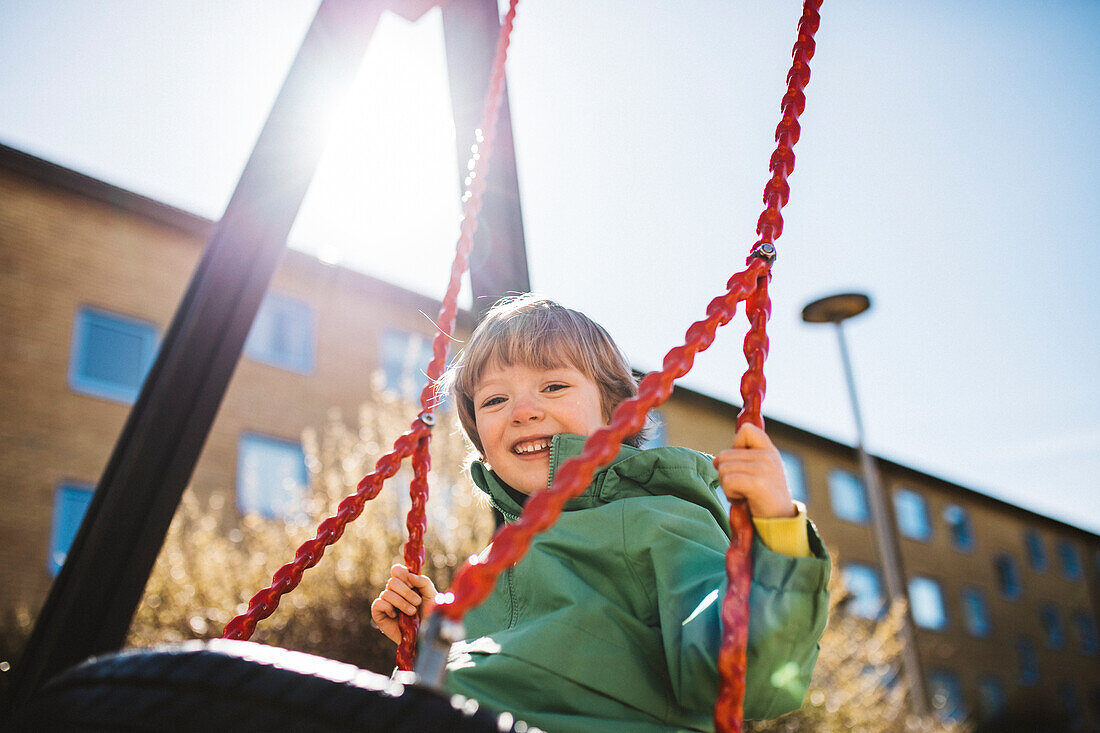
(836, 309)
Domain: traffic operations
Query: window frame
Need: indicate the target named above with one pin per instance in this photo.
(949, 679)
(85, 320)
(902, 492)
(794, 466)
(1067, 551)
(1070, 702)
(1037, 558)
(864, 517)
(992, 695)
(983, 629)
(1009, 594)
(923, 581)
(1027, 658)
(59, 531)
(658, 430)
(267, 507)
(422, 358)
(870, 571)
(1053, 626)
(962, 544)
(1084, 627)
(303, 325)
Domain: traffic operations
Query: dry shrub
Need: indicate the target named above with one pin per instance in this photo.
(213, 560)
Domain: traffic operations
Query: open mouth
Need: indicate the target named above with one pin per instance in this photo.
(531, 446)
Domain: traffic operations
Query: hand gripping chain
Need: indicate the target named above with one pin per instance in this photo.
(415, 442)
(729, 710)
(475, 580)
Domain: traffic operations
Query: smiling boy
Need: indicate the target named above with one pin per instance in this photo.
(611, 621)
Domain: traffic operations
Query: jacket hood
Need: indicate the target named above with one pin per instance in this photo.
(667, 471)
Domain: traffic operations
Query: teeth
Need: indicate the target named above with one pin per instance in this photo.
(533, 447)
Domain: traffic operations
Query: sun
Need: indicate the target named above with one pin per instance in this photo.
(385, 199)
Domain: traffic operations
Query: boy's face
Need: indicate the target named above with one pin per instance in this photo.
(517, 409)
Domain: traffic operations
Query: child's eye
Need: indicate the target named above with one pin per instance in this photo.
(492, 401)
(556, 387)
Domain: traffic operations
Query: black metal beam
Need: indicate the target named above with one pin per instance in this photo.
(92, 602)
(498, 263)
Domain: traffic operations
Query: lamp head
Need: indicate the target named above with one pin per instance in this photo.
(836, 308)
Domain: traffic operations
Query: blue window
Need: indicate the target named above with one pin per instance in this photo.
(946, 695)
(976, 612)
(958, 524)
(912, 514)
(1036, 551)
(1085, 628)
(848, 497)
(991, 695)
(926, 603)
(111, 354)
(658, 431)
(1008, 576)
(1071, 705)
(70, 504)
(405, 358)
(271, 477)
(795, 475)
(282, 334)
(1070, 560)
(862, 582)
(1028, 661)
(1054, 630)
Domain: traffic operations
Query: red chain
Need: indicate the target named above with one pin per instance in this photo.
(732, 655)
(416, 522)
(417, 439)
(732, 660)
(475, 581)
(264, 603)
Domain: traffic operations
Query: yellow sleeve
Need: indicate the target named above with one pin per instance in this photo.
(785, 535)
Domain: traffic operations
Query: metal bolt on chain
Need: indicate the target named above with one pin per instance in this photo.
(436, 638)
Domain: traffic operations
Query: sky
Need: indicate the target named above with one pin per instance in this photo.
(946, 168)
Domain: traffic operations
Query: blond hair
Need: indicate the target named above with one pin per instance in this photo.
(539, 333)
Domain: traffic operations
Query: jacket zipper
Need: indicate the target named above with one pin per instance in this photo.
(511, 599)
(554, 440)
(513, 611)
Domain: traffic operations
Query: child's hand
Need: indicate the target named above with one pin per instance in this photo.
(404, 592)
(752, 470)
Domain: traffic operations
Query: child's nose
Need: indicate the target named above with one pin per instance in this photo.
(526, 410)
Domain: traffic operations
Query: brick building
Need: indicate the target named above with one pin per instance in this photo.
(1003, 599)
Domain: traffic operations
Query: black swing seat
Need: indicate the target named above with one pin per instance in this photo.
(243, 687)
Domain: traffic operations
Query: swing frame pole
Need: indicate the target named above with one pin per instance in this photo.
(498, 262)
(92, 602)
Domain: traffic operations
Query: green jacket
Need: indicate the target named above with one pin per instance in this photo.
(611, 620)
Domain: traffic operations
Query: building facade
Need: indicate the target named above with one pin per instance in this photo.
(1004, 601)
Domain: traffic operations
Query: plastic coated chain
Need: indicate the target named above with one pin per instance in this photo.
(417, 439)
(416, 522)
(732, 661)
(286, 579)
(474, 581)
